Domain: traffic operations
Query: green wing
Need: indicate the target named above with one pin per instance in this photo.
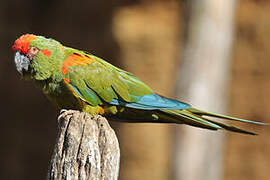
(99, 82)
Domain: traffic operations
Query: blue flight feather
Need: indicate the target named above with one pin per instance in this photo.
(147, 102)
(152, 102)
(77, 91)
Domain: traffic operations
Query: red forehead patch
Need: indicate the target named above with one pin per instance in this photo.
(22, 43)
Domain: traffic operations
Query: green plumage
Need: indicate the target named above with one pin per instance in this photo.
(74, 79)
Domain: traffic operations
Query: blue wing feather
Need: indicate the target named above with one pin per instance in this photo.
(87, 95)
(152, 102)
(77, 91)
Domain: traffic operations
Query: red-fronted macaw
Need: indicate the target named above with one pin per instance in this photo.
(74, 79)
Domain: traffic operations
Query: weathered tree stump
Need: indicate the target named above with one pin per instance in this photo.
(86, 148)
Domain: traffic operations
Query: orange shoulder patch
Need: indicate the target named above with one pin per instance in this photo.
(74, 60)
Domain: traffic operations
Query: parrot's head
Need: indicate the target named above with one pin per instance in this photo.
(36, 56)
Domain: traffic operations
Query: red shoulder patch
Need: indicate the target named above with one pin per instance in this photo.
(74, 60)
(22, 43)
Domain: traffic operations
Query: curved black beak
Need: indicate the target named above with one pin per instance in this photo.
(21, 61)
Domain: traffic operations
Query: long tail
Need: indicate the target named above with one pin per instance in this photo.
(189, 116)
(158, 109)
(195, 117)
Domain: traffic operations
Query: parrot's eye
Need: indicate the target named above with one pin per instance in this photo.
(32, 52)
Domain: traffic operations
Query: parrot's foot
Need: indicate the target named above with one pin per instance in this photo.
(64, 113)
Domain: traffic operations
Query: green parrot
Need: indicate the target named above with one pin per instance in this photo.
(74, 79)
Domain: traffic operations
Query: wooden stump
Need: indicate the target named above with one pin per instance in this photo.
(86, 148)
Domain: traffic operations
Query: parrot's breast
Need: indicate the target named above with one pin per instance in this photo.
(59, 94)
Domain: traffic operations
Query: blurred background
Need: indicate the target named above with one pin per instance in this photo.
(212, 54)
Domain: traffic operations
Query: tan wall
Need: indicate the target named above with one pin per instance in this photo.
(248, 157)
(148, 36)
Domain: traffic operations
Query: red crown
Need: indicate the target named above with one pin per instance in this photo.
(22, 43)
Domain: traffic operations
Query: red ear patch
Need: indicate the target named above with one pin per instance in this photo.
(22, 43)
(46, 52)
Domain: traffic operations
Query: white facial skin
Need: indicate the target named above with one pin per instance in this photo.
(22, 61)
(33, 51)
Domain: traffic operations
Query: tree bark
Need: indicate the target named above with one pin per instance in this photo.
(86, 148)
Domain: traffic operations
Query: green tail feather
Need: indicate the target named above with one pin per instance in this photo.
(194, 117)
(184, 117)
(232, 128)
(204, 113)
(190, 116)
